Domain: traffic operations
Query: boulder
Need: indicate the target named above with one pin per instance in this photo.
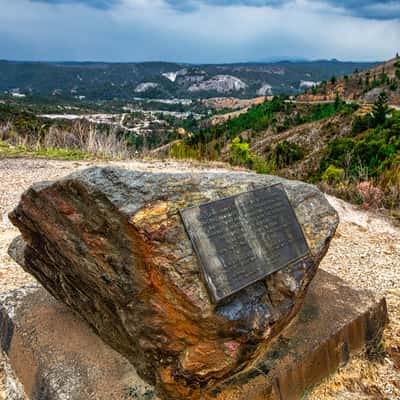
(110, 243)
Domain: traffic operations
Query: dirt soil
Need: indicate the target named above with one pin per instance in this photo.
(365, 252)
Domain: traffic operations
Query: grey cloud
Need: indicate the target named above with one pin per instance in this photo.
(372, 9)
(190, 5)
(100, 4)
(140, 30)
(382, 9)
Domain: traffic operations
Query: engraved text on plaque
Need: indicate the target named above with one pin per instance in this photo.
(244, 238)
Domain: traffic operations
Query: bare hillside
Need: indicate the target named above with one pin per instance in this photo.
(312, 138)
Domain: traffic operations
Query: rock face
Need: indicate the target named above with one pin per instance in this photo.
(110, 244)
(220, 84)
(145, 86)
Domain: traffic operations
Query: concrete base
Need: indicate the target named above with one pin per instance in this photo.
(55, 355)
(51, 354)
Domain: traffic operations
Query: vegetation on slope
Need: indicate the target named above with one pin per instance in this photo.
(365, 167)
(278, 115)
(358, 157)
(361, 86)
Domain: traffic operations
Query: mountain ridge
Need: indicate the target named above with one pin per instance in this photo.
(104, 81)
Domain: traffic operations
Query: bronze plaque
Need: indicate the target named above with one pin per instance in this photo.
(244, 238)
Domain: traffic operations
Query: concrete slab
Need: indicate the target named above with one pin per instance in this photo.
(51, 354)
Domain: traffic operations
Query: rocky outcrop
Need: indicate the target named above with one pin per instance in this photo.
(110, 243)
(173, 75)
(220, 84)
(145, 86)
(265, 90)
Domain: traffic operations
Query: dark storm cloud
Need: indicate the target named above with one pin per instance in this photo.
(383, 9)
(100, 4)
(198, 31)
(371, 9)
(380, 9)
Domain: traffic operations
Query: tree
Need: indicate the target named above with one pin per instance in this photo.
(367, 76)
(333, 79)
(287, 153)
(393, 85)
(338, 102)
(380, 109)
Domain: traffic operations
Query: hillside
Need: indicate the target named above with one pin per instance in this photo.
(311, 139)
(361, 86)
(267, 124)
(105, 81)
(349, 148)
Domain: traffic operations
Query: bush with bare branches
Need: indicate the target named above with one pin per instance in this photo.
(81, 136)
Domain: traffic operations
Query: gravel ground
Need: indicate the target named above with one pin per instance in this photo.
(365, 252)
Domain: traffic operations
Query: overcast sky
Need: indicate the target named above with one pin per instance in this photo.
(206, 31)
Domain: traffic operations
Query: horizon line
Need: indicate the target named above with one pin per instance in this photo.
(272, 61)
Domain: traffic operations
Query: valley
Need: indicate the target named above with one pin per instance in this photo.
(337, 133)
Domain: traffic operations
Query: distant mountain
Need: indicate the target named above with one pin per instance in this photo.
(104, 81)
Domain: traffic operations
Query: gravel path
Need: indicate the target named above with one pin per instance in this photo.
(365, 252)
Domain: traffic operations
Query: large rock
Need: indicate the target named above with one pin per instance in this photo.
(110, 243)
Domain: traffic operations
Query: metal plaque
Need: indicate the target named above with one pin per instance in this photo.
(244, 238)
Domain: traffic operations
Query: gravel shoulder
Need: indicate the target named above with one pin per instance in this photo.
(365, 253)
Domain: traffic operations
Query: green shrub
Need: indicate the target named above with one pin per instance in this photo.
(376, 151)
(182, 151)
(259, 165)
(239, 153)
(333, 174)
(287, 153)
(361, 124)
(393, 85)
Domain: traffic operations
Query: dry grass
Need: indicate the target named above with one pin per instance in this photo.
(81, 138)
